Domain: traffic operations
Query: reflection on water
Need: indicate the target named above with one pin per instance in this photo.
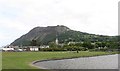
(98, 62)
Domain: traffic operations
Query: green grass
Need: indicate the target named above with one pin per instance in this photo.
(22, 60)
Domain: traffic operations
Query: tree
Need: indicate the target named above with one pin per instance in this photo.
(76, 48)
(52, 45)
(33, 43)
(88, 45)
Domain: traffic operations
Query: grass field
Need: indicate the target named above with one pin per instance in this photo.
(22, 60)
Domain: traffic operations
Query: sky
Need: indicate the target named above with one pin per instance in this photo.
(17, 17)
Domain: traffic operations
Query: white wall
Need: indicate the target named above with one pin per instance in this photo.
(34, 49)
(8, 49)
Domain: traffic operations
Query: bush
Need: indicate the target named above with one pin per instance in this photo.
(52, 49)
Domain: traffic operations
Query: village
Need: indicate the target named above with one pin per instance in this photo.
(26, 48)
(56, 46)
(23, 48)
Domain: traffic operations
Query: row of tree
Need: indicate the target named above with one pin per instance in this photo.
(83, 46)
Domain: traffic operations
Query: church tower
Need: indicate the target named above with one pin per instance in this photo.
(56, 41)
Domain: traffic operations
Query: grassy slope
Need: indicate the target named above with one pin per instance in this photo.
(22, 60)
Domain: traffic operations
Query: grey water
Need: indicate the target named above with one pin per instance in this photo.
(97, 62)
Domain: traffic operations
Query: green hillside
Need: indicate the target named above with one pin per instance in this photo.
(45, 35)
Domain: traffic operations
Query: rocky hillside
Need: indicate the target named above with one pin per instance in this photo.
(45, 35)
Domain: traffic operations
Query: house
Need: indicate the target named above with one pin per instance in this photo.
(36, 48)
(7, 48)
(23, 48)
(44, 46)
(32, 48)
(71, 42)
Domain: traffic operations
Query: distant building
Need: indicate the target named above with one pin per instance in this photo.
(8, 48)
(34, 49)
(71, 42)
(23, 48)
(56, 41)
(44, 46)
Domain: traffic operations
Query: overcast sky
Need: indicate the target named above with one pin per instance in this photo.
(17, 17)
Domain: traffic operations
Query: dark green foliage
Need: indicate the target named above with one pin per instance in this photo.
(88, 45)
(33, 43)
(52, 49)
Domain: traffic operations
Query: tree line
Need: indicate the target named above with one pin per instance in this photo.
(80, 46)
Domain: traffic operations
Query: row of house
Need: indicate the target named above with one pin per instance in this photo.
(26, 48)
(23, 48)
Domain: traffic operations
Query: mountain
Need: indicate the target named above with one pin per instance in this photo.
(45, 35)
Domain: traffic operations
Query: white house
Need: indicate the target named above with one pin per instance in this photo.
(34, 49)
(44, 46)
(8, 49)
(20, 49)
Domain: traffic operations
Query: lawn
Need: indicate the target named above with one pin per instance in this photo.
(22, 60)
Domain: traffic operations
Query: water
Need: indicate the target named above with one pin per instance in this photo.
(98, 62)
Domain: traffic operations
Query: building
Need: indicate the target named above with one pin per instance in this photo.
(34, 49)
(23, 48)
(56, 41)
(44, 46)
(8, 48)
